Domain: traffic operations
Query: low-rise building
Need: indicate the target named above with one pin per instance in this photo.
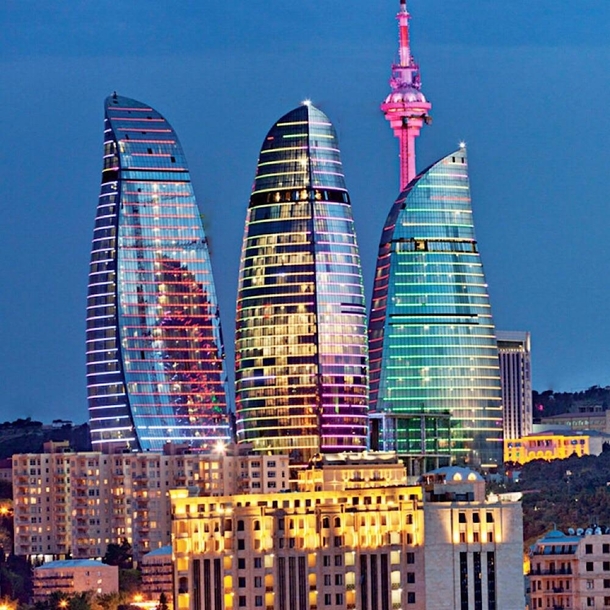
(158, 574)
(74, 576)
(554, 445)
(571, 571)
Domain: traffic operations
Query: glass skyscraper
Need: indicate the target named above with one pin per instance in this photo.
(301, 345)
(435, 383)
(155, 368)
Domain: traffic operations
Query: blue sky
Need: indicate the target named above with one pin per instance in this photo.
(525, 84)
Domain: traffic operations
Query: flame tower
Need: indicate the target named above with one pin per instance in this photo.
(406, 108)
(300, 346)
(155, 360)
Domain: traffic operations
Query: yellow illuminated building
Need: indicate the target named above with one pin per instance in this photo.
(553, 446)
(358, 547)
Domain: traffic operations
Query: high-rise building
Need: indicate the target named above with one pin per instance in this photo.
(155, 368)
(300, 348)
(435, 382)
(406, 108)
(75, 504)
(514, 348)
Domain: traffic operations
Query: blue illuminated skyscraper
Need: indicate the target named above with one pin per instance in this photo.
(435, 383)
(155, 368)
(301, 346)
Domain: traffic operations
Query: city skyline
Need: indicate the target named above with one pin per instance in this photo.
(499, 80)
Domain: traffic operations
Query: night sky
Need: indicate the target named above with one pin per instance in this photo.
(524, 84)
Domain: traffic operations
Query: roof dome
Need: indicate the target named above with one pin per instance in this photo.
(406, 93)
(457, 474)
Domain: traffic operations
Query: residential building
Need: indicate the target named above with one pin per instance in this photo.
(578, 422)
(74, 576)
(514, 349)
(435, 380)
(375, 547)
(300, 348)
(553, 445)
(75, 504)
(155, 368)
(571, 571)
(158, 574)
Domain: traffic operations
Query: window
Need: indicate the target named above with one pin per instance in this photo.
(410, 597)
(605, 549)
(241, 544)
(326, 560)
(242, 601)
(338, 560)
(258, 600)
(589, 566)
(241, 582)
(338, 579)
(258, 582)
(241, 563)
(326, 522)
(411, 578)
(462, 517)
(410, 557)
(489, 517)
(338, 540)
(328, 599)
(476, 518)
(258, 562)
(606, 583)
(339, 599)
(327, 580)
(240, 526)
(588, 549)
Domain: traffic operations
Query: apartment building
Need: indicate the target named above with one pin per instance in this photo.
(77, 503)
(74, 576)
(571, 571)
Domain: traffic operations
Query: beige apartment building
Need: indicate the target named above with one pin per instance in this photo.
(78, 503)
(74, 576)
(571, 571)
(353, 537)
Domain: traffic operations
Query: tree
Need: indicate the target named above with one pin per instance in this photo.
(163, 602)
(119, 555)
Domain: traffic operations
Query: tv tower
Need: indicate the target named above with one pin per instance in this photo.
(406, 107)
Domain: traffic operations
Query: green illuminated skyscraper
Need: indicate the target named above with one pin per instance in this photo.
(434, 373)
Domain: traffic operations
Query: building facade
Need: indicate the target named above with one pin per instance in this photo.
(155, 368)
(514, 349)
(75, 504)
(552, 445)
(300, 347)
(74, 576)
(374, 547)
(571, 571)
(435, 382)
(158, 574)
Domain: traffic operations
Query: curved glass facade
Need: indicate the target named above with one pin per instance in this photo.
(301, 348)
(155, 368)
(435, 383)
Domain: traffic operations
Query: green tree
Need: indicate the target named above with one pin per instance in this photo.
(119, 555)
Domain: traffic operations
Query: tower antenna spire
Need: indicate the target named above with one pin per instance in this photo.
(406, 108)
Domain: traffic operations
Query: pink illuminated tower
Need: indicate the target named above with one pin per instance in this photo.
(406, 107)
